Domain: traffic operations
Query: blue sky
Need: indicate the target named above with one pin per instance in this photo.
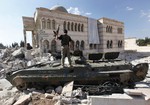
(134, 13)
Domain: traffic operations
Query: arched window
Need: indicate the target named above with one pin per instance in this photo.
(111, 29)
(107, 29)
(77, 44)
(108, 43)
(48, 24)
(91, 46)
(94, 46)
(43, 23)
(111, 44)
(120, 44)
(82, 27)
(64, 25)
(46, 46)
(79, 27)
(75, 26)
(53, 24)
(53, 45)
(72, 45)
(72, 26)
(82, 45)
(119, 30)
(68, 25)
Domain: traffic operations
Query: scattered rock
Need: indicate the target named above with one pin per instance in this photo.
(76, 100)
(56, 98)
(19, 53)
(58, 89)
(49, 96)
(23, 100)
(14, 59)
(10, 101)
(66, 100)
(50, 90)
(85, 101)
(38, 92)
(77, 93)
(1, 89)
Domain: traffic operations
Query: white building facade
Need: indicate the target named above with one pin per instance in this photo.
(89, 35)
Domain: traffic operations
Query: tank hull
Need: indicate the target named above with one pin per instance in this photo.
(93, 74)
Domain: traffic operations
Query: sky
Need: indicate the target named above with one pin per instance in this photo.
(134, 13)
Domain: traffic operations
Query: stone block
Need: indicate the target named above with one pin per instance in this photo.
(23, 99)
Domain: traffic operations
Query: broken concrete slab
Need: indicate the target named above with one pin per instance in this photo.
(121, 99)
(23, 99)
(132, 92)
(65, 100)
(10, 101)
(49, 96)
(77, 93)
(67, 89)
(19, 53)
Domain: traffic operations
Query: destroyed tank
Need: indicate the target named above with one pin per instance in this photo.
(99, 74)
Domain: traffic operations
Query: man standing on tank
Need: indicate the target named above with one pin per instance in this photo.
(65, 50)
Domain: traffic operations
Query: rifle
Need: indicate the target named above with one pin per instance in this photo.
(56, 32)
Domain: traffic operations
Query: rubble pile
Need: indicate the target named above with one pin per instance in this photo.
(19, 58)
(12, 59)
(47, 96)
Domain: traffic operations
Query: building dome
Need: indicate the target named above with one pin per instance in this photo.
(59, 8)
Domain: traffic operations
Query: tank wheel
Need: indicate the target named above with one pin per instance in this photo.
(22, 86)
(20, 83)
(110, 87)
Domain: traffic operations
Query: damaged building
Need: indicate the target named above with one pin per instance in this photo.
(89, 35)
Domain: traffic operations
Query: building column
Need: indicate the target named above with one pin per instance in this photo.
(25, 39)
(33, 39)
(41, 46)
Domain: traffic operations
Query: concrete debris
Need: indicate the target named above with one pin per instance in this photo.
(50, 90)
(23, 100)
(58, 103)
(133, 92)
(76, 100)
(66, 100)
(5, 53)
(38, 92)
(58, 89)
(19, 53)
(28, 55)
(10, 101)
(67, 89)
(77, 93)
(31, 63)
(12, 59)
(49, 96)
(35, 52)
(1, 89)
(85, 101)
(20, 58)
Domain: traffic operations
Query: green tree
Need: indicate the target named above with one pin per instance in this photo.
(14, 44)
(143, 42)
(22, 44)
(2, 46)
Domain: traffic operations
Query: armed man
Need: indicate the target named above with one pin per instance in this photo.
(65, 50)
